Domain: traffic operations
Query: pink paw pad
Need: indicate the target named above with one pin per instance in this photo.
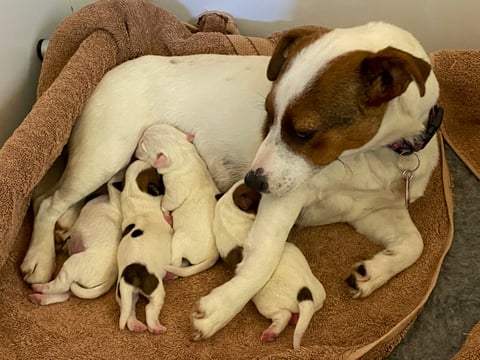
(35, 299)
(38, 288)
(269, 335)
(169, 276)
(158, 329)
(136, 326)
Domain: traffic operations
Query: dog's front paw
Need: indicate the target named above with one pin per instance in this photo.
(211, 313)
(38, 266)
(364, 280)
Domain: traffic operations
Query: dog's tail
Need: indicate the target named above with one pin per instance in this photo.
(192, 269)
(125, 295)
(93, 292)
(306, 311)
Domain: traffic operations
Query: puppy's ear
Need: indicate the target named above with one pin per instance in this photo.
(161, 161)
(388, 73)
(289, 44)
(246, 199)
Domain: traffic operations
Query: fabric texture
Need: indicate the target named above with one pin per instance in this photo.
(458, 72)
(84, 47)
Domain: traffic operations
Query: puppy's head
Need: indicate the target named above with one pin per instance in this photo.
(336, 92)
(246, 199)
(164, 146)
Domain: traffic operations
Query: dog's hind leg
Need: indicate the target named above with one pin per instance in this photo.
(152, 310)
(85, 172)
(47, 299)
(394, 229)
(280, 321)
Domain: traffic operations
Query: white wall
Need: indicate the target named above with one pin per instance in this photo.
(436, 23)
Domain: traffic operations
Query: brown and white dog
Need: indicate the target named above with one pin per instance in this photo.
(91, 269)
(293, 293)
(144, 249)
(189, 196)
(337, 106)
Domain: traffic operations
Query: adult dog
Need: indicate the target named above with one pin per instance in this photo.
(337, 106)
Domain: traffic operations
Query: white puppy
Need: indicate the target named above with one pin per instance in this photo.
(189, 195)
(91, 269)
(144, 249)
(292, 289)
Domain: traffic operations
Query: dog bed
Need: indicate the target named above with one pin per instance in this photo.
(84, 47)
(457, 72)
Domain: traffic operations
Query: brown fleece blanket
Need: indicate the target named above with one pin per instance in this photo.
(457, 72)
(85, 46)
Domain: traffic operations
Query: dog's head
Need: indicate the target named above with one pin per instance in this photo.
(337, 94)
(164, 146)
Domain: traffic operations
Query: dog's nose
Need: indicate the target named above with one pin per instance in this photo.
(257, 180)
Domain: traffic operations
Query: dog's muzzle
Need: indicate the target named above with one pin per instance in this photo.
(257, 180)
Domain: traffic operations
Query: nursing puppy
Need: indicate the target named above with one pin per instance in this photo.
(292, 289)
(339, 108)
(189, 195)
(91, 269)
(144, 249)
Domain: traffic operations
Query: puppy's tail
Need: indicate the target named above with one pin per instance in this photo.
(192, 269)
(306, 311)
(93, 292)
(125, 294)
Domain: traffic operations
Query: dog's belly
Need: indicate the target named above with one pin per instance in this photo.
(218, 98)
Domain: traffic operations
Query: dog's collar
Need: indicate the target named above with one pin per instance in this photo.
(405, 147)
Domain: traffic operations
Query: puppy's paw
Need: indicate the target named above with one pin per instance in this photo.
(269, 334)
(38, 266)
(362, 281)
(37, 299)
(157, 329)
(135, 325)
(211, 313)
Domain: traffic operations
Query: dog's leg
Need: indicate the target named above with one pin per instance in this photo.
(85, 172)
(262, 251)
(279, 322)
(394, 229)
(44, 299)
(152, 310)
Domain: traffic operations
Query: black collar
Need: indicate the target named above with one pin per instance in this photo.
(404, 147)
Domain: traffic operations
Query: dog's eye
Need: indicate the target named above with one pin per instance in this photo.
(304, 134)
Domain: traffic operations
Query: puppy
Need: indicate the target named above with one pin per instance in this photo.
(144, 249)
(189, 195)
(342, 112)
(292, 290)
(91, 269)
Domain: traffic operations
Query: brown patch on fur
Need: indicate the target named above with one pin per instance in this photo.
(233, 258)
(345, 105)
(288, 46)
(246, 199)
(137, 275)
(150, 182)
(304, 294)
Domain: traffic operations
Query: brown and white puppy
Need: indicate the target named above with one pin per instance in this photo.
(336, 104)
(189, 196)
(144, 249)
(293, 290)
(91, 269)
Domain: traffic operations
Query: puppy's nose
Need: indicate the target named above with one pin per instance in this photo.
(257, 180)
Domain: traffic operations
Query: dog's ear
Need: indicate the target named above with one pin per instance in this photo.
(388, 73)
(288, 45)
(246, 199)
(161, 161)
